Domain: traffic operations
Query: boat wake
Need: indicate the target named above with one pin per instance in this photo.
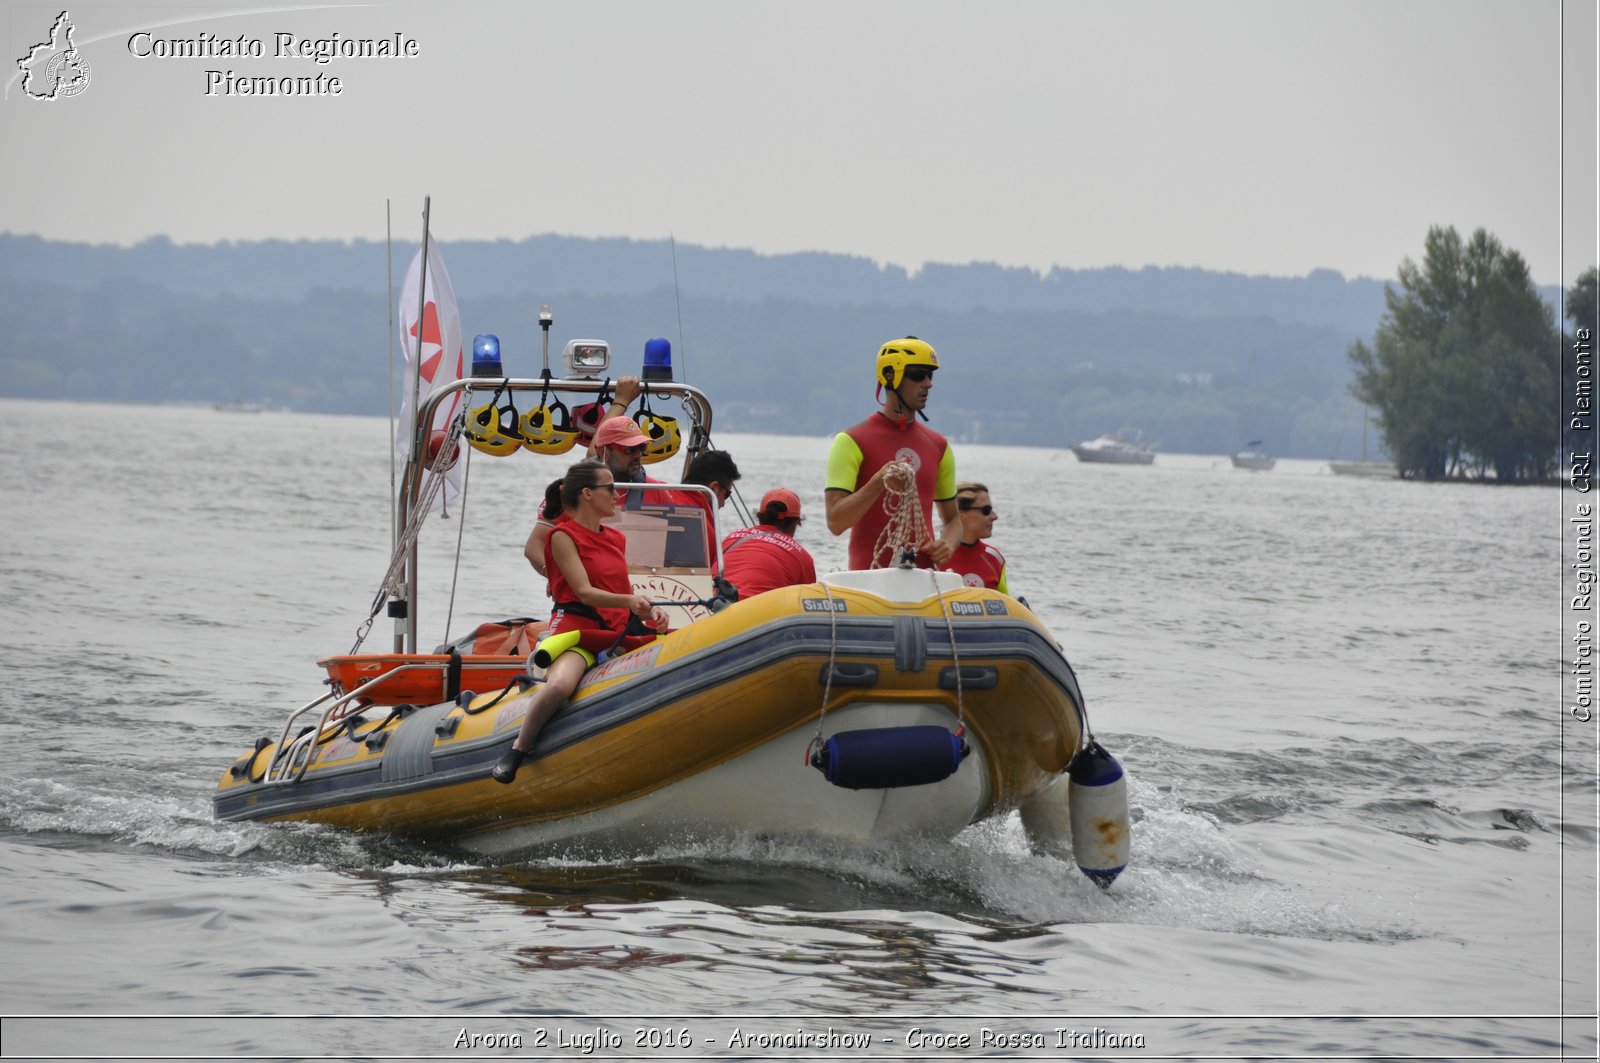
(1188, 872)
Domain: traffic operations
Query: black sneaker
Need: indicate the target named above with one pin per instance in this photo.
(505, 769)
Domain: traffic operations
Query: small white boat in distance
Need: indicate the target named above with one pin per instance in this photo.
(1253, 457)
(1384, 470)
(1115, 450)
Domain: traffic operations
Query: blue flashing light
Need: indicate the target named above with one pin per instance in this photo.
(486, 355)
(657, 359)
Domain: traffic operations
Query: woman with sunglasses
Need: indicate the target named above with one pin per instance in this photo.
(979, 564)
(588, 568)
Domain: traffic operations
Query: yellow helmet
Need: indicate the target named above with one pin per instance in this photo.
(661, 432)
(665, 439)
(493, 430)
(896, 355)
(548, 429)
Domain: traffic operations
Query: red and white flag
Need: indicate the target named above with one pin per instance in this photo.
(435, 346)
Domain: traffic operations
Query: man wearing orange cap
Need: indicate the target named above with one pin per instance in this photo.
(620, 444)
(766, 556)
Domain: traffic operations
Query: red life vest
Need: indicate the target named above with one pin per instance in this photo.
(883, 440)
(605, 559)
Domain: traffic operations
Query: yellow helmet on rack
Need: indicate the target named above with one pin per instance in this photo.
(896, 356)
(665, 439)
(548, 429)
(493, 430)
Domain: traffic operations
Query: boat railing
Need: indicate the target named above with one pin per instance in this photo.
(694, 401)
(291, 758)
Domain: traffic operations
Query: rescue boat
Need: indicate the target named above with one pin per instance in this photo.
(869, 705)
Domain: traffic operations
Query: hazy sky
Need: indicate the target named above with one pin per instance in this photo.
(1261, 136)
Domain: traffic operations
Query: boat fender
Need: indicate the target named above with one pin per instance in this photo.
(881, 758)
(1098, 803)
(436, 442)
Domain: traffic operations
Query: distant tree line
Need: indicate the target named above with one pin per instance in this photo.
(1464, 368)
(282, 269)
(306, 325)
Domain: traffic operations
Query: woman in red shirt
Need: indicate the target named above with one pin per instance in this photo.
(979, 564)
(588, 568)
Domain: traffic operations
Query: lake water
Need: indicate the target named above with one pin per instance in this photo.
(1365, 824)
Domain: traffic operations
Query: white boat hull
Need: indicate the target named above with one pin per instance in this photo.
(1253, 462)
(1111, 451)
(771, 790)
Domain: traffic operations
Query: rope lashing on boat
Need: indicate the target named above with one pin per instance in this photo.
(520, 683)
(906, 529)
(431, 487)
(814, 749)
(955, 656)
(455, 570)
(244, 768)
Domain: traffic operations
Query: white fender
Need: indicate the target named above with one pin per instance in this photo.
(1098, 800)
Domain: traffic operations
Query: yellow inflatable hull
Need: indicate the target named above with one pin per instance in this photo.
(711, 728)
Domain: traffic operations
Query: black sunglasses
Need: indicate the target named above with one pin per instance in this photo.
(612, 487)
(985, 510)
(917, 375)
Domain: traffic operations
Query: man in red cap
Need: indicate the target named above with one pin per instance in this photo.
(760, 558)
(620, 444)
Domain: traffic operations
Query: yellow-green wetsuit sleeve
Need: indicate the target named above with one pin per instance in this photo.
(945, 486)
(844, 464)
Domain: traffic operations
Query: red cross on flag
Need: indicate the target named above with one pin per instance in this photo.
(433, 356)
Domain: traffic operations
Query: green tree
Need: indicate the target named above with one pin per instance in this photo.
(1583, 300)
(1463, 365)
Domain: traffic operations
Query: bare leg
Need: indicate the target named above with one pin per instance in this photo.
(560, 680)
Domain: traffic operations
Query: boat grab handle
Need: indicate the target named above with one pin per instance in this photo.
(849, 674)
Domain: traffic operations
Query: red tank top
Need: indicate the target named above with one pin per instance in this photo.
(882, 441)
(605, 559)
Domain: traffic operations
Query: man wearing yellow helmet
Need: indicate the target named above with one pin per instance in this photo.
(862, 461)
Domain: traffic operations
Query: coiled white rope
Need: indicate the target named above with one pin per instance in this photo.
(905, 528)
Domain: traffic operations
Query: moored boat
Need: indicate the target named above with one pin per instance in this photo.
(1382, 470)
(1252, 457)
(1371, 468)
(868, 705)
(1115, 450)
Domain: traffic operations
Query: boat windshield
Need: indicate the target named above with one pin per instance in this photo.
(665, 537)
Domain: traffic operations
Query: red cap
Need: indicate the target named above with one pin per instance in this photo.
(619, 431)
(781, 498)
